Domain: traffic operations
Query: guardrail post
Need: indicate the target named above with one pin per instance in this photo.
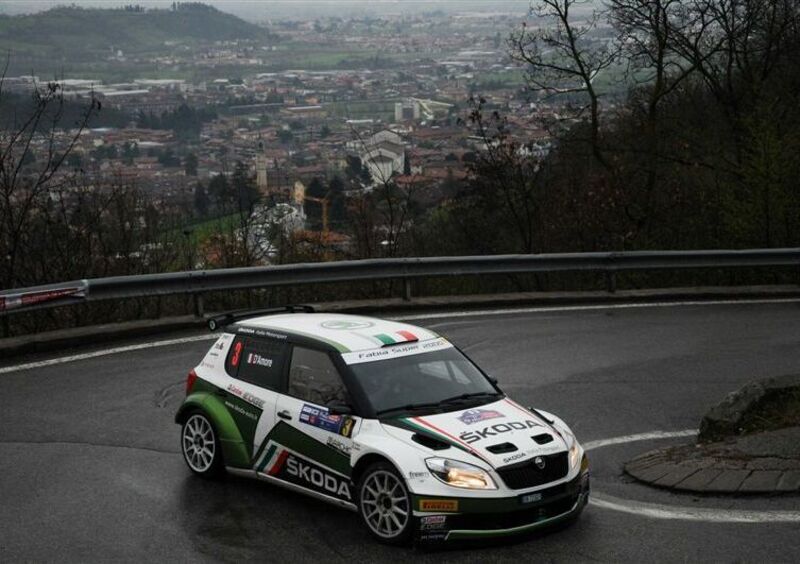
(406, 289)
(199, 306)
(6, 327)
(611, 281)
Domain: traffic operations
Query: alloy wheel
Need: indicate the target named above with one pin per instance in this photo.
(384, 504)
(199, 446)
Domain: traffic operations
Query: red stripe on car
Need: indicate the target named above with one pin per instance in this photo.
(279, 463)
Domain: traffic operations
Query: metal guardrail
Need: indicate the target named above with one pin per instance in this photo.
(200, 281)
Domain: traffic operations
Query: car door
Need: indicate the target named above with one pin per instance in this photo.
(256, 366)
(314, 444)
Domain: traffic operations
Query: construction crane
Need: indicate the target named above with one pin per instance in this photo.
(300, 198)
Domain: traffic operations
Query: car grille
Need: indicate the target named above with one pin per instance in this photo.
(527, 474)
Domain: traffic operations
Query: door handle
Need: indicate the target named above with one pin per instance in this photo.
(285, 415)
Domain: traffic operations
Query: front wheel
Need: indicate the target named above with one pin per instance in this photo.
(385, 504)
(200, 446)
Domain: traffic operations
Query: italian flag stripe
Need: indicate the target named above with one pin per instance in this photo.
(385, 339)
(408, 335)
(427, 426)
(267, 457)
(279, 463)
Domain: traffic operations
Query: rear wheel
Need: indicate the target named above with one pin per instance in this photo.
(200, 446)
(385, 504)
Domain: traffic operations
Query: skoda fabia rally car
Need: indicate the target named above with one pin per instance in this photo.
(383, 418)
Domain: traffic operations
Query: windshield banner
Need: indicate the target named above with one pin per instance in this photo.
(395, 351)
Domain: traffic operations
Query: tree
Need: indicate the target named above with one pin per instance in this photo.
(190, 164)
(24, 193)
(562, 61)
(201, 200)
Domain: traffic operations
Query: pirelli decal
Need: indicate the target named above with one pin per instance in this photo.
(446, 505)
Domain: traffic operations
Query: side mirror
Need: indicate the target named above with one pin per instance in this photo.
(492, 379)
(340, 409)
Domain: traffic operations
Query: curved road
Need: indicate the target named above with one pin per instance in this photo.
(90, 468)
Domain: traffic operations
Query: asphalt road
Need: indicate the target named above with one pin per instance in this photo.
(90, 468)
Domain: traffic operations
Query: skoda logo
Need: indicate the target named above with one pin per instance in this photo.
(343, 325)
(539, 462)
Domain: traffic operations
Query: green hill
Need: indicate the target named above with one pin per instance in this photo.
(72, 34)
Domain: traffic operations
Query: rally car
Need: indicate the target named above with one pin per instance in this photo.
(380, 417)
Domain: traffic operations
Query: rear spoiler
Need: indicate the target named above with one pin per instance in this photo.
(224, 319)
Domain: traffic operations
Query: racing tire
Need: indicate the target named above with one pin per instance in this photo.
(384, 504)
(200, 446)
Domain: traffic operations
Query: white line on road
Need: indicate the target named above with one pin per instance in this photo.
(598, 307)
(443, 315)
(657, 511)
(674, 512)
(591, 445)
(106, 352)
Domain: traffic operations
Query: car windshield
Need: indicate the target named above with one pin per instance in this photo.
(434, 380)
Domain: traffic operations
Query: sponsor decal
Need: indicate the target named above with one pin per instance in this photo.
(258, 360)
(320, 418)
(240, 409)
(260, 333)
(433, 519)
(307, 474)
(470, 437)
(432, 522)
(343, 325)
(450, 505)
(418, 475)
(396, 351)
(514, 457)
(433, 536)
(476, 415)
(246, 396)
(338, 445)
(530, 498)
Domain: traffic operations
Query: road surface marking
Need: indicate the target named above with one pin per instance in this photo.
(708, 515)
(475, 313)
(598, 307)
(106, 352)
(675, 512)
(591, 445)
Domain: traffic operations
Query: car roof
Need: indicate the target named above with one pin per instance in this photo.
(346, 333)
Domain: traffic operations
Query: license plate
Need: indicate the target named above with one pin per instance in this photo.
(530, 498)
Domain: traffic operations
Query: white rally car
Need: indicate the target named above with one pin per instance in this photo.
(384, 418)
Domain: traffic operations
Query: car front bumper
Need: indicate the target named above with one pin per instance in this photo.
(557, 505)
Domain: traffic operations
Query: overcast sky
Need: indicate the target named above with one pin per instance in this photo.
(257, 10)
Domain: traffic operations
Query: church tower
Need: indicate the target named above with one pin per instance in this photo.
(261, 168)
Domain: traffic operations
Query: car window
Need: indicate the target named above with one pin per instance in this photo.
(419, 379)
(258, 361)
(314, 378)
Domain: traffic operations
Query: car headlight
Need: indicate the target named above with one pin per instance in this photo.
(574, 454)
(460, 474)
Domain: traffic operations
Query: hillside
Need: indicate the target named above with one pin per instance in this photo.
(72, 34)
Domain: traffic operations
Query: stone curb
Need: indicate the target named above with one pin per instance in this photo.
(718, 468)
(97, 334)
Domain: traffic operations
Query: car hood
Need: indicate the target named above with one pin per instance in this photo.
(500, 433)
